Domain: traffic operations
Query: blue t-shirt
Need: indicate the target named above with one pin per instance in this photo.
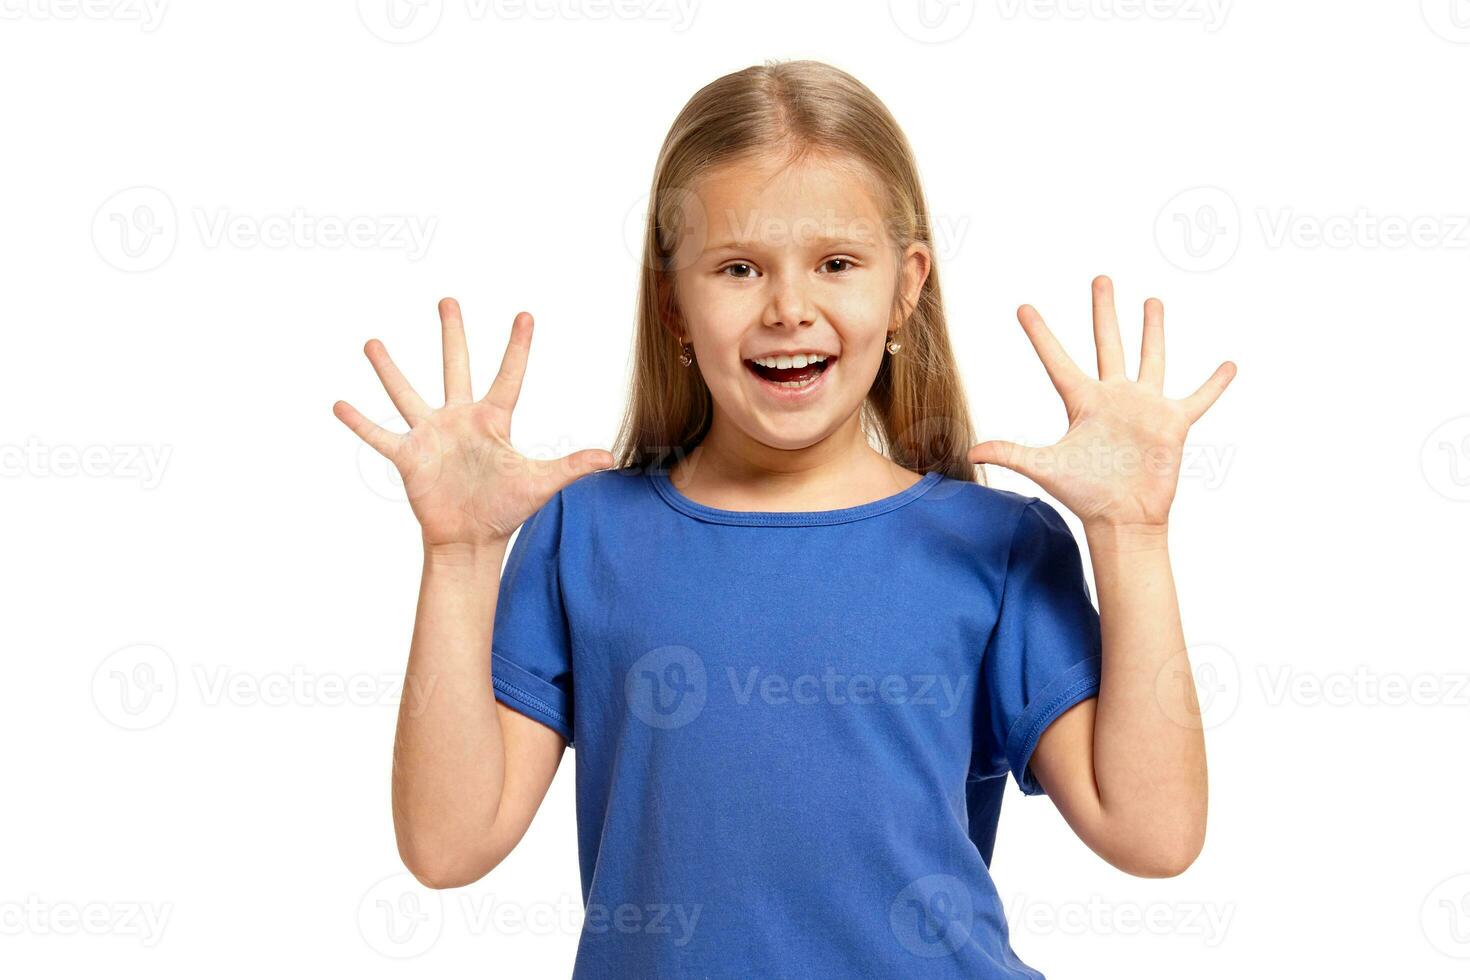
(792, 729)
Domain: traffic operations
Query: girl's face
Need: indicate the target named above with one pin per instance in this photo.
(785, 281)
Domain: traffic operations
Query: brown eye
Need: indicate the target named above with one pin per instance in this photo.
(738, 265)
(846, 262)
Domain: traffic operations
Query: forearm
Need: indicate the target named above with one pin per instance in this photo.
(1148, 745)
(449, 755)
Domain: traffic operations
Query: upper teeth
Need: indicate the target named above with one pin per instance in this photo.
(789, 360)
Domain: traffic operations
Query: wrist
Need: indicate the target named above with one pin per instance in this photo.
(1107, 535)
(465, 554)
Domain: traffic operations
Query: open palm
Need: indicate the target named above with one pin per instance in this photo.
(1118, 462)
(465, 482)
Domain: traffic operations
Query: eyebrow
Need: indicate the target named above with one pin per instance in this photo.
(825, 242)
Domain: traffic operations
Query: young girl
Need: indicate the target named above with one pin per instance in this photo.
(796, 667)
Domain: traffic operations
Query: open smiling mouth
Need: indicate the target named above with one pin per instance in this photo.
(791, 378)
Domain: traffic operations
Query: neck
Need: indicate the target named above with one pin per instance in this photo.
(730, 460)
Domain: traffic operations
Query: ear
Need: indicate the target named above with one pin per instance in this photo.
(913, 272)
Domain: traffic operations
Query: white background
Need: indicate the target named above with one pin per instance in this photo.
(178, 498)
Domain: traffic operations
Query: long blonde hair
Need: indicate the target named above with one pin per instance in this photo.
(916, 412)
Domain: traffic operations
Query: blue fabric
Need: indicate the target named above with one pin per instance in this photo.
(792, 731)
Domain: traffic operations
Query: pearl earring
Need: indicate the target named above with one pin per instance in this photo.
(893, 345)
(686, 357)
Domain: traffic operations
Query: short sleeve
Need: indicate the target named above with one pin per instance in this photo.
(531, 649)
(1045, 652)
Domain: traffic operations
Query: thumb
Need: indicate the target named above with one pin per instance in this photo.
(1008, 454)
(573, 467)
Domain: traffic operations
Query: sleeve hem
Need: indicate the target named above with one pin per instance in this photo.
(532, 696)
(1077, 683)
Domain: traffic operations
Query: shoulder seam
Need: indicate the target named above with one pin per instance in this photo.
(1011, 544)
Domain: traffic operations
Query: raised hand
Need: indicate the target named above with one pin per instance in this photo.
(1118, 463)
(466, 484)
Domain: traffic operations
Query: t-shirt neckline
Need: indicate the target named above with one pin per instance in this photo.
(796, 518)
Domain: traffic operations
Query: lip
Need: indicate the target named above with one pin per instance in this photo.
(791, 396)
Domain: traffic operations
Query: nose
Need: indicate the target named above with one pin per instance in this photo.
(789, 306)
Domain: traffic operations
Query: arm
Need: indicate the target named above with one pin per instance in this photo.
(1126, 769)
(468, 773)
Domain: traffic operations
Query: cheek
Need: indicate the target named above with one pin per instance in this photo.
(718, 320)
(862, 309)
(729, 312)
(702, 302)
